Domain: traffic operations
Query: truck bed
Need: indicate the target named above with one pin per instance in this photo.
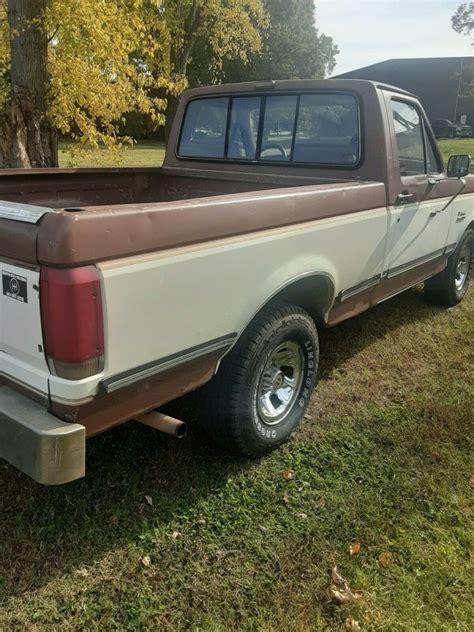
(77, 188)
(89, 215)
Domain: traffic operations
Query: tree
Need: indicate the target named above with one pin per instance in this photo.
(463, 23)
(463, 19)
(97, 71)
(231, 29)
(81, 66)
(293, 47)
(70, 65)
(27, 135)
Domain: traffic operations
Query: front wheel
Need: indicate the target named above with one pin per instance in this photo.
(450, 286)
(262, 389)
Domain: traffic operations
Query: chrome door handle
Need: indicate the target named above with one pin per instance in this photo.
(405, 197)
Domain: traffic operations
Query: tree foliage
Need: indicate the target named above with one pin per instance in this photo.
(95, 78)
(107, 58)
(293, 47)
(232, 30)
(463, 19)
(463, 23)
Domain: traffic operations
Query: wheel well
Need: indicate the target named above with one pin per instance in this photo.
(312, 293)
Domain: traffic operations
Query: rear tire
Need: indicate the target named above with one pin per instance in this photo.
(450, 286)
(263, 387)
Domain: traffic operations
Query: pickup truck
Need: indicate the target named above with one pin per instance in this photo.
(282, 207)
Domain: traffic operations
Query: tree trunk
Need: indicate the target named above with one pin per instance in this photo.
(180, 55)
(27, 136)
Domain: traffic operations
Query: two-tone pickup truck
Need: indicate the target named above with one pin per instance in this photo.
(281, 207)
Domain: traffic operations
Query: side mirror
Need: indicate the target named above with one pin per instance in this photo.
(459, 165)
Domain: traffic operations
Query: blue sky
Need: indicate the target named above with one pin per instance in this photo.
(368, 31)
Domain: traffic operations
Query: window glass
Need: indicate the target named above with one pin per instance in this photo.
(432, 165)
(409, 134)
(278, 128)
(243, 131)
(328, 129)
(204, 128)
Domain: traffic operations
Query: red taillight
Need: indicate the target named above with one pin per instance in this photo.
(73, 327)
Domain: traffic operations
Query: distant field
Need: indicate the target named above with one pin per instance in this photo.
(457, 146)
(147, 153)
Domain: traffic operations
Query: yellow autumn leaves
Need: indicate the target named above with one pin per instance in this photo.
(108, 58)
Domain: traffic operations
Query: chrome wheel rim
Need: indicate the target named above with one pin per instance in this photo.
(280, 383)
(462, 268)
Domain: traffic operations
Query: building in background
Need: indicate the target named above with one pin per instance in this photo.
(445, 85)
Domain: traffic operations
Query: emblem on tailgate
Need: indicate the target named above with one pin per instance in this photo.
(15, 286)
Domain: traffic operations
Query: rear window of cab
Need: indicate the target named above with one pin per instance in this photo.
(321, 128)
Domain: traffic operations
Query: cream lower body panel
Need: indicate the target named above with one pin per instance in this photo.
(165, 304)
(160, 304)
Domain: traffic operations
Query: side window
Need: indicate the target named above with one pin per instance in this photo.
(409, 134)
(278, 128)
(243, 131)
(432, 163)
(204, 129)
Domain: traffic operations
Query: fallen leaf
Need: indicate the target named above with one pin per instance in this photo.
(146, 561)
(471, 480)
(303, 516)
(286, 498)
(386, 558)
(175, 535)
(289, 475)
(340, 589)
(354, 548)
(264, 529)
(82, 572)
(352, 625)
(149, 500)
(308, 417)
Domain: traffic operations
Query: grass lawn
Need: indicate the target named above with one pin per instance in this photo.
(457, 146)
(146, 153)
(151, 154)
(166, 535)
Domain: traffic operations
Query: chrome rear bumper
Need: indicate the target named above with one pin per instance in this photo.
(49, 450)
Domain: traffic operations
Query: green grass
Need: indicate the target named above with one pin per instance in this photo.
(151, 154)
(385, 460)
(145, 153)
(457, 146)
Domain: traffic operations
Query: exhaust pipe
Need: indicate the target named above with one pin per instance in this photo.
(164, 423)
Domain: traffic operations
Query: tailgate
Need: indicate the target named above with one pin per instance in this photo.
(21, 341)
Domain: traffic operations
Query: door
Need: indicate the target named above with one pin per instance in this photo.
(420, 209)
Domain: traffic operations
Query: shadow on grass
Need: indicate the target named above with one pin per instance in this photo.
(46, 532)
